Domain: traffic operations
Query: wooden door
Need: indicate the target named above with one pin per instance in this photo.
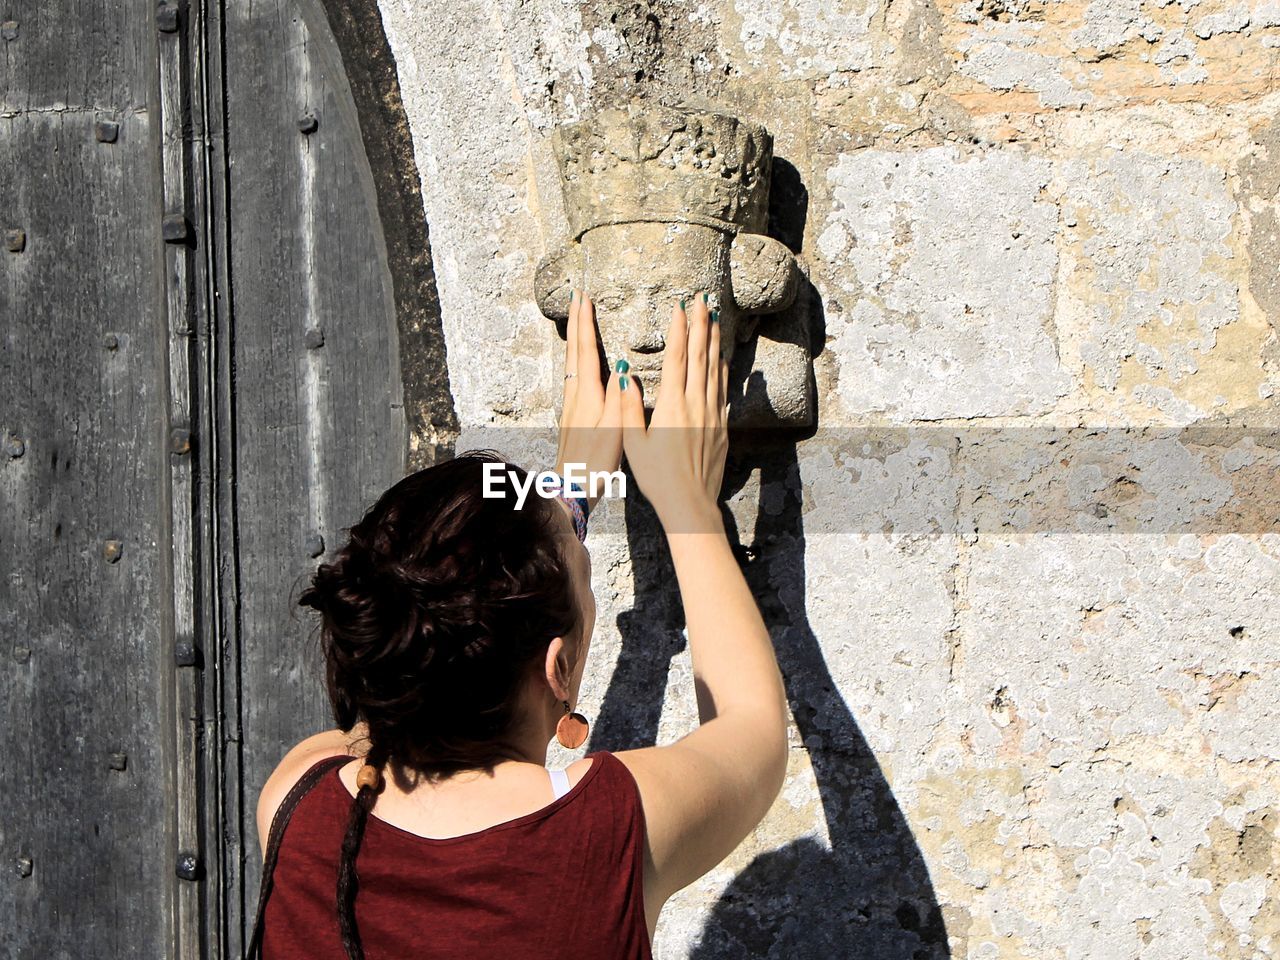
(216, 277)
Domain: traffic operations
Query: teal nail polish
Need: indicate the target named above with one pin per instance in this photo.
(681, 304)
(704, 298)
(622, 381)
(622, 366)
(573, 295)
(715, 316)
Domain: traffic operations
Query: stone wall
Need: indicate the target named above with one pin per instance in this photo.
(1032, 667)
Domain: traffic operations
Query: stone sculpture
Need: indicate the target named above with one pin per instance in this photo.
(664, 201)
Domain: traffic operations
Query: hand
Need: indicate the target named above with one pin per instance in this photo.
(678, 460)
(591, 416)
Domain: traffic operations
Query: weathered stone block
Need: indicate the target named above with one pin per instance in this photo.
(939, 273)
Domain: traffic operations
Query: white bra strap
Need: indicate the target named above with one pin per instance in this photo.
(559, 782)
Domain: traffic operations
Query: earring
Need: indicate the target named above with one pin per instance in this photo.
(571, 731)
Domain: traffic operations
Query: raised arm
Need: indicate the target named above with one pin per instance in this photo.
(705, 793)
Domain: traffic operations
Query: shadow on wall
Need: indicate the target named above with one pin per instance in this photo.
(870, 894)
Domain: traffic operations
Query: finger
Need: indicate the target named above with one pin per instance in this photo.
(611, 414)
(589, 386)
(674, 357)
(606, 436)
(695, 383)
(571, 340)
(631, 401)
(713, 395)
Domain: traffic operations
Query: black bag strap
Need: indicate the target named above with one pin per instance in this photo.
(276, 835)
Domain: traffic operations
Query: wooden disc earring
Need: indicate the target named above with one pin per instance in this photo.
(571, 731)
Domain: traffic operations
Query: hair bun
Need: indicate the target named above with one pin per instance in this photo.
(435, 612)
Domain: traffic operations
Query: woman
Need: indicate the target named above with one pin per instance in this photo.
(456, 630)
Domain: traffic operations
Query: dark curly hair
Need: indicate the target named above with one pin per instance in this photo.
(432, 616)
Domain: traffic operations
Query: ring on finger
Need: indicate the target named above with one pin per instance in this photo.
(570, 376)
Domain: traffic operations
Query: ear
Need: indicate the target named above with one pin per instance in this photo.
(762, 274)
(554, 277)
(558, 669)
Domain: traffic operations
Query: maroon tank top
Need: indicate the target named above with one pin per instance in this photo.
(562, 883)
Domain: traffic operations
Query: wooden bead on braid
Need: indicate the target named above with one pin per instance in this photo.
(370, 777)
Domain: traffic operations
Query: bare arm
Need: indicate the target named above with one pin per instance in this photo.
(705, 793)
(734, 664)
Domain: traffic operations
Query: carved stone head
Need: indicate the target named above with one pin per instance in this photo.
(663, 202)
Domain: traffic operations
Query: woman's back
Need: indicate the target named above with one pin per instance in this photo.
(563, 881)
